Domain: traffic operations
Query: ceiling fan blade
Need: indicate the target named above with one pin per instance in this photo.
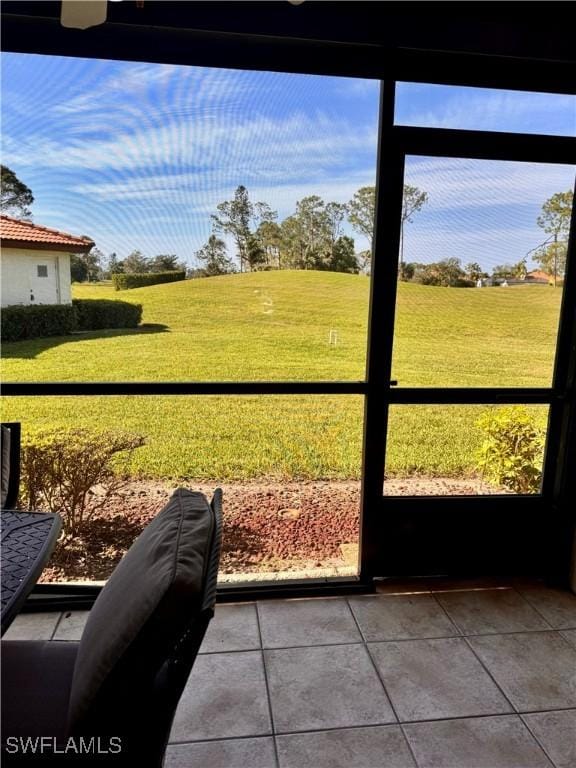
(82, 14)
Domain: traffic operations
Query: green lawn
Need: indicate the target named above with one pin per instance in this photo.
(276, 326)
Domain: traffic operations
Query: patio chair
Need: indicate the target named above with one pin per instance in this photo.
(121, 683)
(10, 466)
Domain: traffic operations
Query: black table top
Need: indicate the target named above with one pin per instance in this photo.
(27, 541)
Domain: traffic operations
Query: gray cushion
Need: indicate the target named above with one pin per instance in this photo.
(151, 597)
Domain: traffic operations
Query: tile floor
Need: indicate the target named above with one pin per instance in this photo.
(476, 675)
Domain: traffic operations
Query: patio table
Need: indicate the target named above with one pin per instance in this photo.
(27, 541)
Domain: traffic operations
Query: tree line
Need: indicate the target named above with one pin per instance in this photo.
(310, 238)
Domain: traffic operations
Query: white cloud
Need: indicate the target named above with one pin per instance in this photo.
(485, 109)
(258, 145)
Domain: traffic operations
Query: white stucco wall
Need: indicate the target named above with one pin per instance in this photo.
(21, 283)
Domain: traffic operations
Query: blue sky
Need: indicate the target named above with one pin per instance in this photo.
(137, 156)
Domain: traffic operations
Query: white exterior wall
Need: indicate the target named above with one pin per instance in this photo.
(21, 283)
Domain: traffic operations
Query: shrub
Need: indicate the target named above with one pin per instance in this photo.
(93, 314)
(123, 282)
(72, 472)
(30, 322)
(512, 451)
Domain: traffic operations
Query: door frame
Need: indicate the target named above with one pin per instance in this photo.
(407, 536)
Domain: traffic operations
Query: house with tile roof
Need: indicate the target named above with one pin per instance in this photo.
(35, 262)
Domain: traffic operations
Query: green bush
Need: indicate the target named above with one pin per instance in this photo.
(512, 451)
(31, 322)
(93, 314)
(74, 472)
(125, 281)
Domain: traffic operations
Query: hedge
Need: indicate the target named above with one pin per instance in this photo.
(125, 281)
(36, 321)
(41, 320)
(93, 314)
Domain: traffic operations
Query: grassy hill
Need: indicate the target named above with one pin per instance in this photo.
(276, 326)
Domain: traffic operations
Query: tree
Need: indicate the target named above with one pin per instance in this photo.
(555, 221)
(115, 266)
(15, 196)
(361, 212)
(94, 261)
(474, 271)
(505, 271)
(165, 262)
(447, 272)
(343, 258)
(407, 271)
(308, 235)
(412, 201)
(136, 262)
(552, 258)
(213, 255)
(269, 235)
(78, 269)
(87, 267)
(241, 218)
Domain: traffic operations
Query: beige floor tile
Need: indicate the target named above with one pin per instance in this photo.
(358, 747)
(536, 670)
(224, 697)
(556, 732)
(230, 753)
(325, 687)
(401, 617)
(233, 628)
(430, 679)
(491, 611)
(483, 742)
(291, 623)
(32, 626)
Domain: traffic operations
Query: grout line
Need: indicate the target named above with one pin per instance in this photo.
(448, 616)
(533, 607)
(561, 631)
(268, 698)
(536, 739)
(375, 666)
(516, 715)
(490, 675)
(56, 626)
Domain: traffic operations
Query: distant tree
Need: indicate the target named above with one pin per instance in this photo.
(310, 234)
(412, 201)
(555, 221)
(94, 261)
(136, 262)
(447, 272)
(214, 258)
(343, 258)
(551, 258)
(78, 269)
(407, 271)
(115, 266)
(86, 267)
(241, 218)
(15, 196)
(474, 271)
(361, 212)
(269, 235)
(510, 271)
(165, 262)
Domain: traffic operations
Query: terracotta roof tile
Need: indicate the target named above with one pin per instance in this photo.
(21, 232)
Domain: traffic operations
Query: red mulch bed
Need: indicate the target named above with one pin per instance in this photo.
(269, 526)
